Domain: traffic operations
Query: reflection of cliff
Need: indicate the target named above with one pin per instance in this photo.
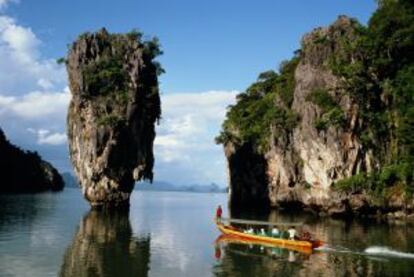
(104, 246)
(26, 208)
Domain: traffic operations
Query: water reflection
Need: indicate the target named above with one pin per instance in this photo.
(24, 209)
(105, 246)
(351, 250)
(39, 237)
(235, 259)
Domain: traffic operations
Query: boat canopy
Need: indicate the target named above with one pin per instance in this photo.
(258, 222)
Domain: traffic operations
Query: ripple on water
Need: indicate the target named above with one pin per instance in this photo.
(172, 234)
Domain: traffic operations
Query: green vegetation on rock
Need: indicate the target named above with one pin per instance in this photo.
(115, 104)
(380, 183)
(264, 105)
(25, 171)
(332, 113)
(377, 70)
(106, 76)
(110, 120)
(372, 101)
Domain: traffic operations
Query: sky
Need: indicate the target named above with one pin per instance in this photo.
(212, 51)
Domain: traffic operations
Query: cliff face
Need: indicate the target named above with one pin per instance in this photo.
(302, 163)
(24, 171)
(303, 168)
(111, 117)
(247, 174)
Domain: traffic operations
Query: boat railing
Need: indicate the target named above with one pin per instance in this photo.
(260, 223)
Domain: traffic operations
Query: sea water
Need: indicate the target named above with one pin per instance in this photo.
(173, 234)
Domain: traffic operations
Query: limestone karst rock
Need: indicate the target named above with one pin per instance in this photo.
(115, 104)
(303, 154)
(294, 135)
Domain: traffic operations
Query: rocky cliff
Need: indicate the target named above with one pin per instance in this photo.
(115, 104)
(24, 171)
(323, 133)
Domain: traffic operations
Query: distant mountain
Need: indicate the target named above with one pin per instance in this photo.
(155, 186)
(165, 186)
(70, 180)
(24, 171)
(204, 188)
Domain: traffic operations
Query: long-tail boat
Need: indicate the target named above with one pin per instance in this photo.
(236, 233)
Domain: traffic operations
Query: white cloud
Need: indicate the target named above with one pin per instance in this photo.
(33, 92)
(20, 41)
(20, 59)
(32, 88)
(209, 105)
(33, 96)
(5, 101)
(45, 83)
(46, 137)
(190, 120)
(185, 139)
(35, 105)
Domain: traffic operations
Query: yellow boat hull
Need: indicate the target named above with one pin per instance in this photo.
(235, 235)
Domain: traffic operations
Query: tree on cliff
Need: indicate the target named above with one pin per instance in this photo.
(111, 118)
(24, 171)
(349, 92)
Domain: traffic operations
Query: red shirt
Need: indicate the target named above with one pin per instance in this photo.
(219, 212)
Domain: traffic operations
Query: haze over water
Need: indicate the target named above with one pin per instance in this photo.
(173, 234)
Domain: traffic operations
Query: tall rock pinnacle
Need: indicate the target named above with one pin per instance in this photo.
(115, 104)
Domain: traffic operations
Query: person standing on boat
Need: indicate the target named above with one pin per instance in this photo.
(292, 233)
(219, 212)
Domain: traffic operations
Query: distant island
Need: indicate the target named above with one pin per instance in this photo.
(165, 186)
(71, 182)
(25, 171)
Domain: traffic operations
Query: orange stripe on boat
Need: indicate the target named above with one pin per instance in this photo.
(301, 246)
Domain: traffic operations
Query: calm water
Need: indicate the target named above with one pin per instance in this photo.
(172, 234)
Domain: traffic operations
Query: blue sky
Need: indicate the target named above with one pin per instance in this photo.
(212, 50)
(208, 45)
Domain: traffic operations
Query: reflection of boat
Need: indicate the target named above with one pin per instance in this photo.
(241, 240)
(235, 234)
